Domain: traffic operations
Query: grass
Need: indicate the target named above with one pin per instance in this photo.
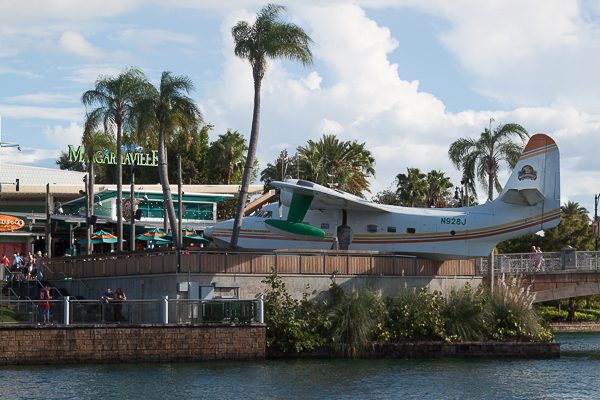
(7, 315)
(463, 317)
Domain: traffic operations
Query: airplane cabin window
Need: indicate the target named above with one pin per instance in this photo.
(391, 229)
(410, 230)
(324, 226)
(268, 214)
(372, 228)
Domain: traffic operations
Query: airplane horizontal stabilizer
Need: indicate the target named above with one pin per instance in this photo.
(528, 197)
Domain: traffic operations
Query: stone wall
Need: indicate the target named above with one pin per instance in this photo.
(132, 343)
(575, 326)
(440, 350)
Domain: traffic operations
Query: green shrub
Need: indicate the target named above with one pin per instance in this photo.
(509, 314)
(462, 314)
(595, 313)
(292, 323)
(551, 314)
(354, 319)
(7, 315)
(412, 315)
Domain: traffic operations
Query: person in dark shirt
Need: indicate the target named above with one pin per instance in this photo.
(107, 298)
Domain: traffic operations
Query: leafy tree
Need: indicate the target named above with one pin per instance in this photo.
(172, 108)
(482, 158)
(573, 209)
(230, 148)
(346, 164)
(63, 163)
(283, 168)
(388, 196)
(267, 37)
(112, 101)
(438, 185)
(412, 187)
(573, 230)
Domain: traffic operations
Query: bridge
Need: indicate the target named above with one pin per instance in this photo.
(553, 275)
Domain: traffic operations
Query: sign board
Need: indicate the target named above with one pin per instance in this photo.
(596, 229)
(8, 223)
(128, 157)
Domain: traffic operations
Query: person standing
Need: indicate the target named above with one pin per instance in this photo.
(39, 264)
(118, 305)
(44, 305)
(4, 265)
(107, 298)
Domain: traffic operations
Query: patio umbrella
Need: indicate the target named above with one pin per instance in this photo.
(153, 235)
(189, 234)
(100, 237)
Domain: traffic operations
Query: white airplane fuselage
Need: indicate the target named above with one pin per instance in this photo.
(529, 203)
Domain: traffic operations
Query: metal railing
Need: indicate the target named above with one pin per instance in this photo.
(165, 311)
(531, 263)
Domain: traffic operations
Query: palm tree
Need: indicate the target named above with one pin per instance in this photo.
(114, 99)
(232, 147)
(412, 187)
(481, 158)
(92, 142)
(437, 188)
(572, 208)
(267, 37)
(172, 108)
(345, 164)
(280, 170)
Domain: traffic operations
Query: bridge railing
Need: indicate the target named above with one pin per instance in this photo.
(531, 263)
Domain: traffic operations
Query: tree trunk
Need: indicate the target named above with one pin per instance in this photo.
(491, 187)
(164, 182)
(90, 205)
(239, 214)
(119, 192)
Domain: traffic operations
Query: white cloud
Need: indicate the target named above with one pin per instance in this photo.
(59, 134)
(87, 74)
(75, 43)
(28, 74)
(12, 111)
(45, 98)
(328, 127)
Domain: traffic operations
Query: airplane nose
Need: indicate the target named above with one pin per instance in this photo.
(208, 232)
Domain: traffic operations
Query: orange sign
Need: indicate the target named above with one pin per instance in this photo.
(8, 223)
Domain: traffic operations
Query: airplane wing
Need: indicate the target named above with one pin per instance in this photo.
(325, 198)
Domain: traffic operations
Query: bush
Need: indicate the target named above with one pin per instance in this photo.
(292, 323)
(354, 319)
(412, 315)
(462, 312)
(551, 314)
(509, 314)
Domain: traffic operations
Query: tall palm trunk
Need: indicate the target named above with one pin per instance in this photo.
(119, 190)
(239, 214)
(166, 187)
(90, 203)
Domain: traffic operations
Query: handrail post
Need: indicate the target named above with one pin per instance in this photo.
(66, 310)
(165, 313)
(261, 310)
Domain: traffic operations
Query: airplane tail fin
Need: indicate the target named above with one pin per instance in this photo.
(536, 178)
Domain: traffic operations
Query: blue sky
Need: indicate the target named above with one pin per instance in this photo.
(407, 77)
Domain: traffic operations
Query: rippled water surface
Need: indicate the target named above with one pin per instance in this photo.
(574, 376)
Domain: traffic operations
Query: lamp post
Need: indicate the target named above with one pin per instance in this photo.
(88, 231)
(596, 199)
(132, 204)
(48, 233)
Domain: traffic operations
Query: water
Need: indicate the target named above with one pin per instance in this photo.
(574, 376)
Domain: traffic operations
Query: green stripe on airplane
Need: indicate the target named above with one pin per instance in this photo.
(296, 228)
(299, 207)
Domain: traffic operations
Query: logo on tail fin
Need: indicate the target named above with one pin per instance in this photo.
(527, 172)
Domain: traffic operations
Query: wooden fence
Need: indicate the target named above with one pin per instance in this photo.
(213, 262)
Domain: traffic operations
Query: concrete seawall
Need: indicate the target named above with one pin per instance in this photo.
(141, 287)
(61, 344)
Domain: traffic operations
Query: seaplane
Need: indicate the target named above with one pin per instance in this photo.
(311, 216)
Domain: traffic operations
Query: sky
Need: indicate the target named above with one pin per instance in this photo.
(406, 77)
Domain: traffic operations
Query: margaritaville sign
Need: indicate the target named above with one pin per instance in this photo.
(8, 223)
(130, 155)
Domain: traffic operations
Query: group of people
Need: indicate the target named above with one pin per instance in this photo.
(536, 253)
(23, 267)
(114, 300)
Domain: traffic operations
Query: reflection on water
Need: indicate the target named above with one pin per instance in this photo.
(574, 376)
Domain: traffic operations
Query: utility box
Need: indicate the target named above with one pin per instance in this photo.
(196, 291)
(569, 258)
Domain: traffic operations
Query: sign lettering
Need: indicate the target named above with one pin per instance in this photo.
(454, 221)
(8, 223)
(108, 157)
